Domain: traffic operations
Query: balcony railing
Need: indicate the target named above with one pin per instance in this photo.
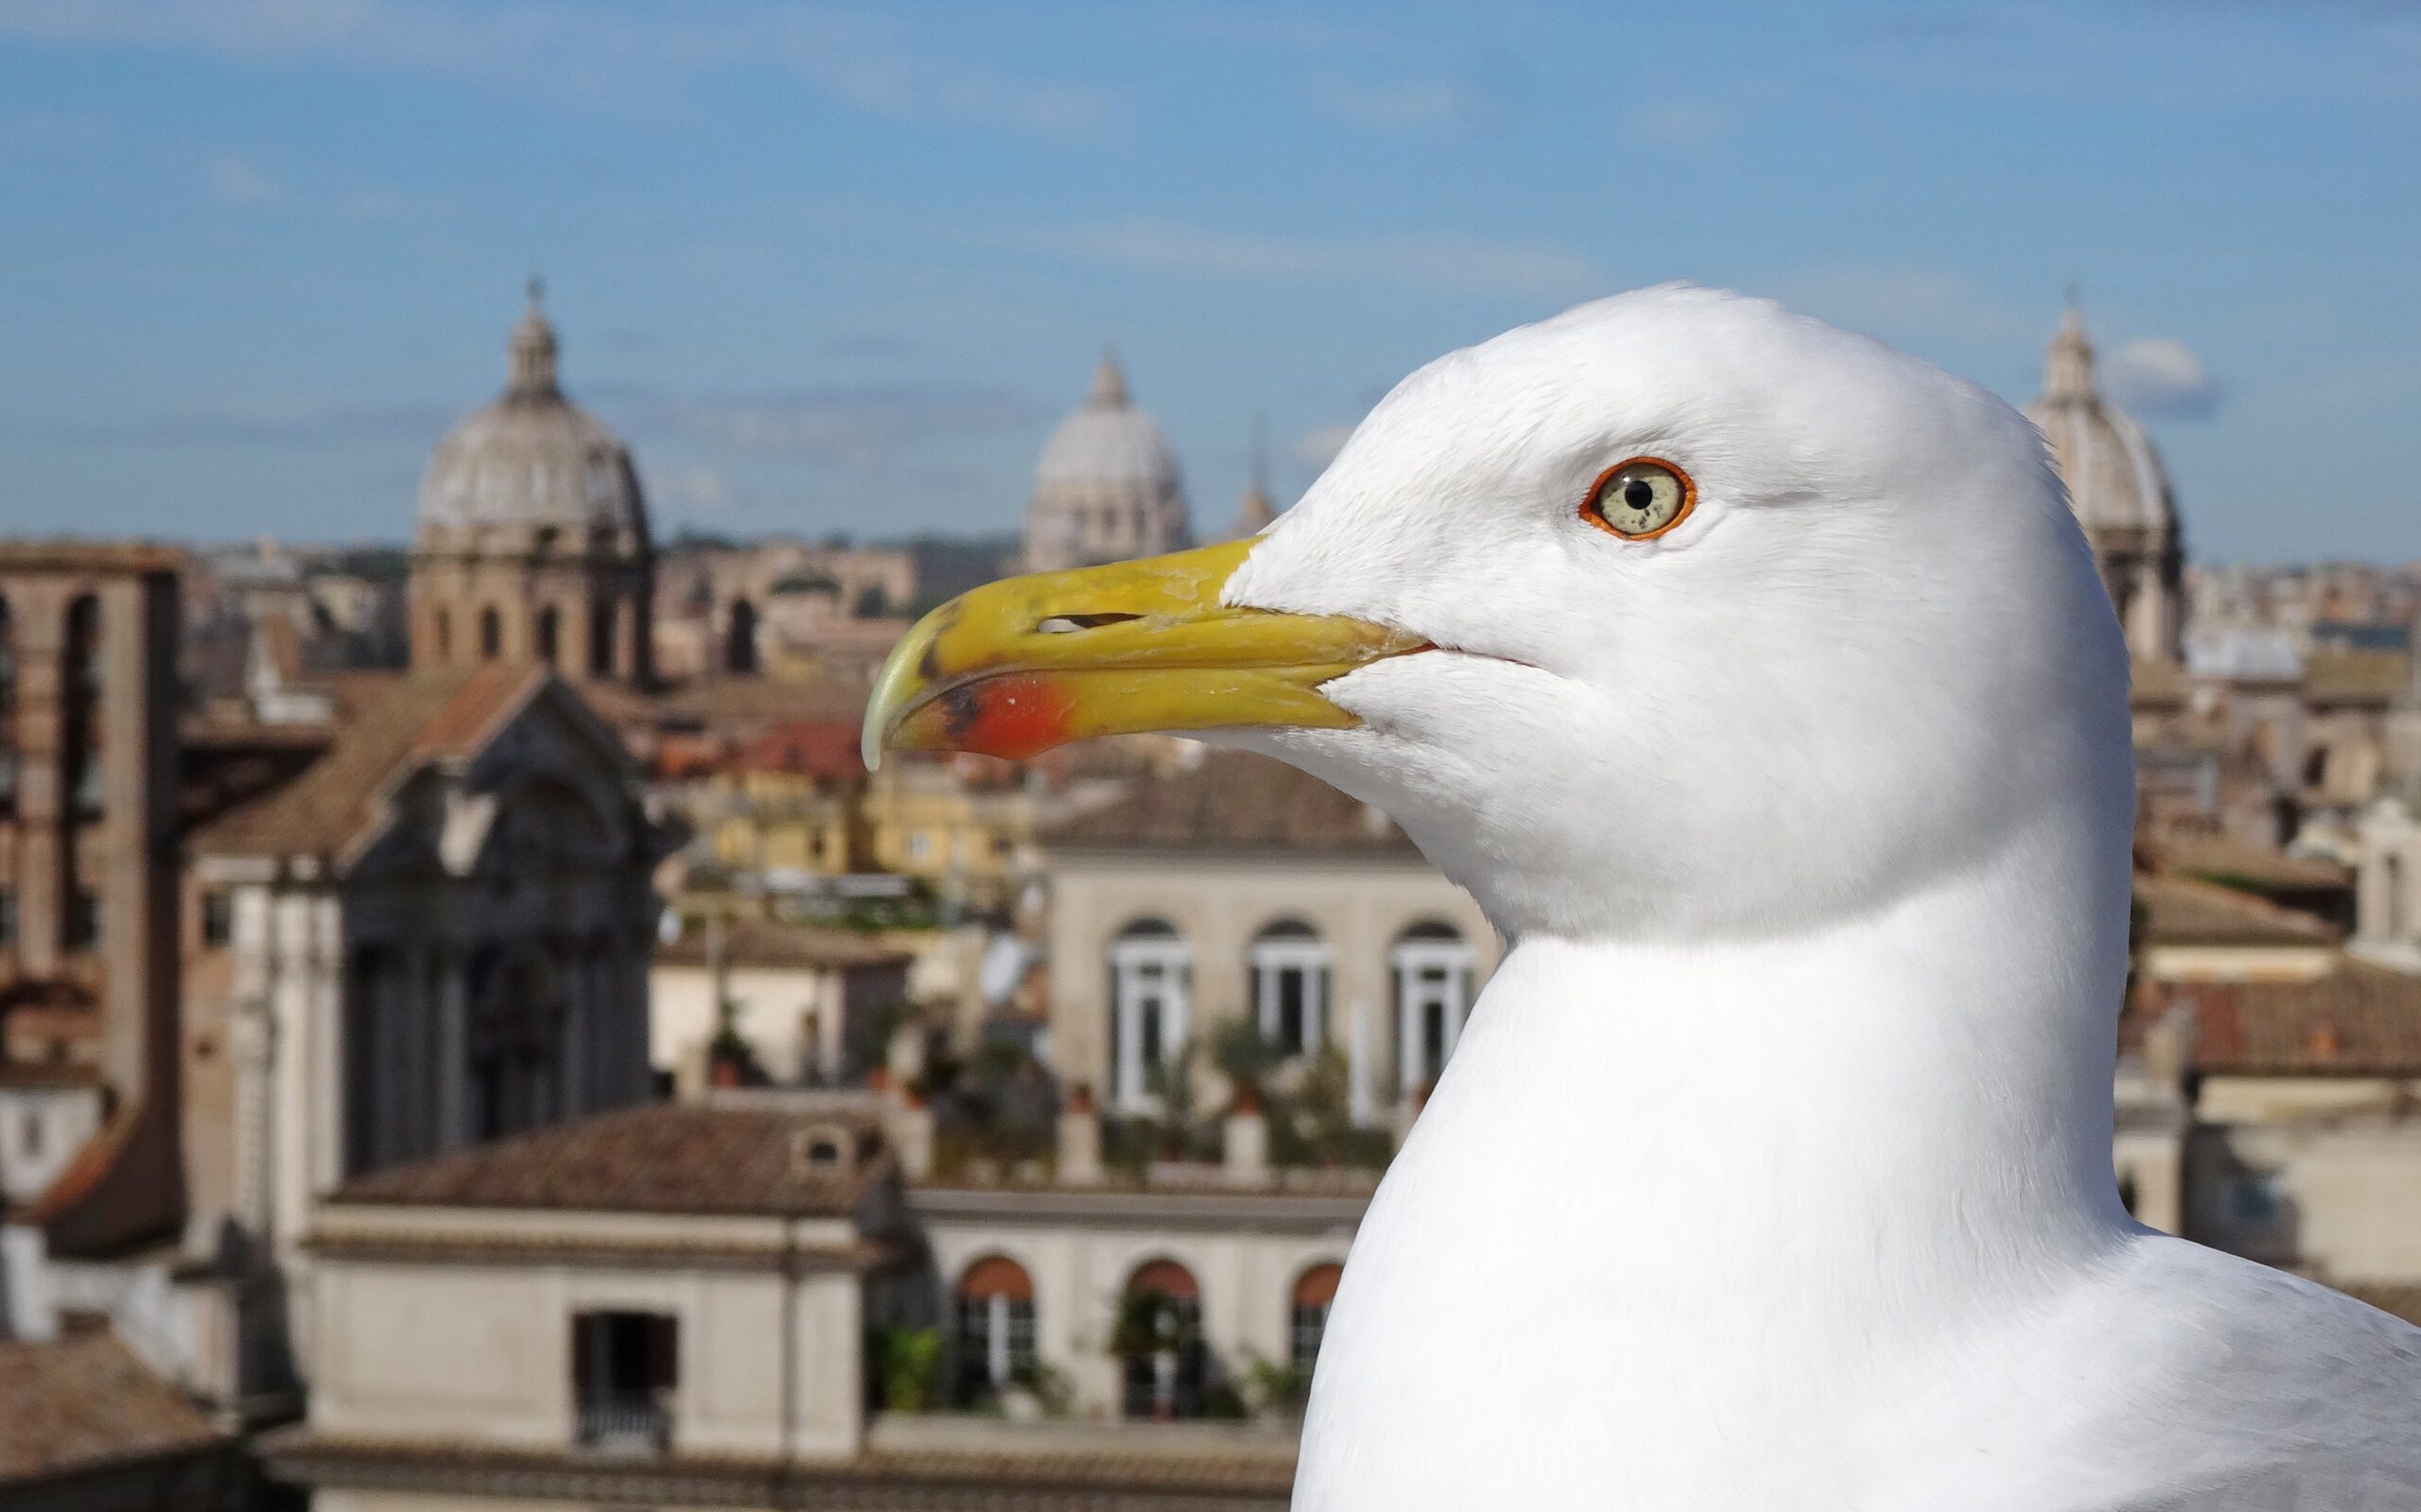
(623, 1425)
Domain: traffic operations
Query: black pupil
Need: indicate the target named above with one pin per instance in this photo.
(1639, 494)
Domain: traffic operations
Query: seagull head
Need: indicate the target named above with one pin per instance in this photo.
(1676, 616)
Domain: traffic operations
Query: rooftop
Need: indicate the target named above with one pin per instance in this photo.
(765, 942)
(2187, 910)
(2357, 1020)
(83, 1401)
(1232, 800)
(432, 715)
(719, 1156)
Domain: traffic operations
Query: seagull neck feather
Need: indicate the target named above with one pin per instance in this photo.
(1924, 1092)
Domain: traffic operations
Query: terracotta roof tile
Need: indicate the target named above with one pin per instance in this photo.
(2357, 676)
(2186, 911)
(2357, 1020)
(1234, 801)
(715, 1156)
(84, 1399)
(429, 716)
(2219, 859)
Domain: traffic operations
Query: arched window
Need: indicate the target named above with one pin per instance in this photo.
(1165, 1365)
(600, 639)
(1314, 1294)
(491, 634)
(548, 633)
(739, 638)
(1288, 969)
(82, 746)
(8, 714)
(1151, 982)
(995, 1342)
(1433, 986)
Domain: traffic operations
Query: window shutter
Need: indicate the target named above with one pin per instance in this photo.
(584, 1354)
(663, 1352)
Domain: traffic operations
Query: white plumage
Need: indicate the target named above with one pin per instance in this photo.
(1773, 1170)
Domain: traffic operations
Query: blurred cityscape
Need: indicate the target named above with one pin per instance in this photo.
(474, 1034)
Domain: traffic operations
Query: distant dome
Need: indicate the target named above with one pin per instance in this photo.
(2115, 481)
(532, 458)
(1108, 485)
(2121, 494)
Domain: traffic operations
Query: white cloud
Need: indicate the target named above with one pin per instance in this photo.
(2160, 376)
(1461, 264)
(851, 430)
(235, 182)
(1318, 448)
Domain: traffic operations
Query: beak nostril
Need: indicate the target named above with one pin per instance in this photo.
(1069, 624)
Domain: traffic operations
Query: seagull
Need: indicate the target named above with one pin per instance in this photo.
(1756, 680)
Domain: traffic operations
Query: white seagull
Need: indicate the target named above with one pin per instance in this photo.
(1755, 678)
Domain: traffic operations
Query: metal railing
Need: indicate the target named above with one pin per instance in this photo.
(623, 1425)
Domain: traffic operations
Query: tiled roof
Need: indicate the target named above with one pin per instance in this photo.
(1233, 800)
(765, 942)
(743, 699)
(2186, 911)
(2356, 1021)
(83, 1401)
(2357, 676)
(716, 1156)
(816, 748)
(430, 715)
(2217, 858)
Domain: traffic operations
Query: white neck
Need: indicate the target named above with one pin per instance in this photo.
(1657, 1177)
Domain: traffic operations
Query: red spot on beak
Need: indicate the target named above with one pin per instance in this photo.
(1013, 716)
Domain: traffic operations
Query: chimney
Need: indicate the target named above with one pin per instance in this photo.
(1248, 1145)
(1080, 1140)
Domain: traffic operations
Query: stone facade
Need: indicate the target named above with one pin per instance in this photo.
(532, 544)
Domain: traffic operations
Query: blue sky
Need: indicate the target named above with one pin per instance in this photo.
(839, 268)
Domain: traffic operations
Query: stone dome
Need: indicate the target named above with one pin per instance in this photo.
(1108, 485)
(532, 458)
(2115, 481)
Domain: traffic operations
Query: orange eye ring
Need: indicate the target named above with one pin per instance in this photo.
(1593, 504)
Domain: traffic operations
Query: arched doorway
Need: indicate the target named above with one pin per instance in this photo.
(1164, 1364)
(1151, 972)
(1288, 969)
(1432, 968)
(994, 1347)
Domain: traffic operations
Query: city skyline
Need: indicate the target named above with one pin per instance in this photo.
(830, 271)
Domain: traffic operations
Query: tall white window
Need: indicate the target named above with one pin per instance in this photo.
(1289, 967)
(1151, 982)
(1432, 978)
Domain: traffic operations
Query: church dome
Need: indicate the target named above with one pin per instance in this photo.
(532, 458)
(1107, 484)
(2115, 481)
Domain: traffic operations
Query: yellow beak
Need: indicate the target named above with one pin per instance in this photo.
(1017, 667)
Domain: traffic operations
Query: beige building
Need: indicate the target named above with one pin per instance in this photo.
(532, 544)
(807, 1003)
(1238, 886)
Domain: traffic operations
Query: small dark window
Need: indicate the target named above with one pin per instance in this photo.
(600, 639)
(546, 634)
(84, 921)
(491, 634)
(443, 626)
(8, 919)
(218, 919)
(624, 1370)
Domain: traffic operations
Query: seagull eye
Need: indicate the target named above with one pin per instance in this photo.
(1639, 499)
